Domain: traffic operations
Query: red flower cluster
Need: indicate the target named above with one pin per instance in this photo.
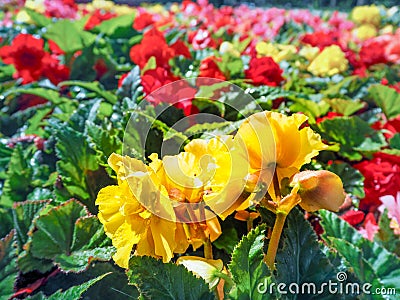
(142, 21)
(382, 177)
(152, 44)
(179, 94)
(31, 61)
(209, 68)
(97, 17)
(321, 39)
(265, 71)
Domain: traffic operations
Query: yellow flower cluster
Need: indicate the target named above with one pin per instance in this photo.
(108, 5)
(368, 19)
(366, 15)
(163, 207)
(329, 62)
(278, 52)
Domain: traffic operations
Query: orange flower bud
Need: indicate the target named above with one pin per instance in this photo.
(319, 189)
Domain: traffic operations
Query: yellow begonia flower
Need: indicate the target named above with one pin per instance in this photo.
(274, 140)
(309, 52)
(212, 171)
(23, 17)
(366, 15)
(146, 210)
(365, 31)
(102, 4)
(36, 5)
(227, 47)
(123, 10)
(329, 62)
(278, 52)
(129, 223)
(319, 190)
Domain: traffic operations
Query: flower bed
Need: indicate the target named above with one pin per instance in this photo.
(194, 152)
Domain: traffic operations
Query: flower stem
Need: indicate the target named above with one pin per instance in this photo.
(269, 258)
(208, 249)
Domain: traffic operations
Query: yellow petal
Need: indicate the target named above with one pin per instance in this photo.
(123, 240)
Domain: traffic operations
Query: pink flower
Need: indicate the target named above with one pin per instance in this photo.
(393, 207)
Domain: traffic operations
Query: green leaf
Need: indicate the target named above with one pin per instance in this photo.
(336, 227)
(394, 142)
(205, 128)
(74, 292)
(384, 266)
(204, 103)
(66, 235)
(386, 236)
(92, 86)
(341, 87)
(300, 259)
(156, 280)
(77, 160)
(5, 156)
(345, 107)
(19, 175)
(51, 95)
(29, 263)
(8, 266)
(354, 135)
(309, 108)
(104, 140)
(120, 23)
(114, 286)
(69, 36)
(36, 121)
(387, 99)
(23, 215)
(353, 180)
(355, 260)
(150, 65)
(39, 19)
(228, 240)
(6, 221)
(247, 266)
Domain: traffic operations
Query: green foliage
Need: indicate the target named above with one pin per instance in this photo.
(354, 135)
(395, 141)
(92, 86)
(247, 266)
(69, 36)
(74, 292)
(370, 262)
(387, 99)
(23, 215)
(117, 27)
(19, 173)
(113, 286)
(228, 240)
(8, 265)
(156, 280)
(345, 107)
(69, 237)
(301, 259)
(353, 180)
(77, 161)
